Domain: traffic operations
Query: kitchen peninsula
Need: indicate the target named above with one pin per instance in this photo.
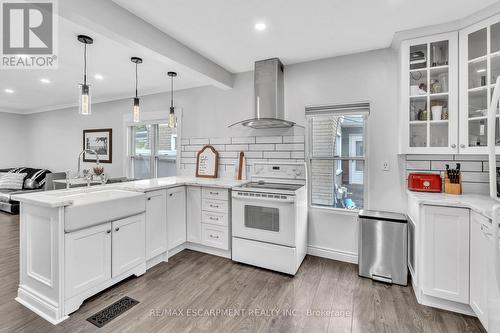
(76, 243)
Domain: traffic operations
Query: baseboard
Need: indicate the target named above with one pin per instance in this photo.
(176, 250)
(39, 306)
(339, 255)
(209, 250)
(443, 304)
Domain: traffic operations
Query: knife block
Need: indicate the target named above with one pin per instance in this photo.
(452, 188)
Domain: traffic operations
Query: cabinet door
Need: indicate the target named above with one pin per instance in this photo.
(128, 244)
(194, 214)
(480, 67)
(429, 95)
(156, 223)
(478, 266)
(87, 258)
(446, 253)
(176, 216)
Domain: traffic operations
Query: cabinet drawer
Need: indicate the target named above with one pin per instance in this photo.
(214, 218)
(215, 193)
(215, 236)
(214, 206)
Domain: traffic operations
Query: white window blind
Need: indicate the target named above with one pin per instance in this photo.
(337, 154)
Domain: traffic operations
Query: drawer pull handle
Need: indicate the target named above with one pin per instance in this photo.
(214, 218)
(116, 229)
(108, 231)
(149, 199)
(214, 206)
(212, 236)
(214, 193)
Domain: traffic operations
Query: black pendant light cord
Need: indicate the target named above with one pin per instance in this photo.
(85, 65)
(135, 80)
(171, 92)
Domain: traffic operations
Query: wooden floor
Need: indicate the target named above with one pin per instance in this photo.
(191, 281)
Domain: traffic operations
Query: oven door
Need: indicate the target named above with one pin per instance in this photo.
(264, 219)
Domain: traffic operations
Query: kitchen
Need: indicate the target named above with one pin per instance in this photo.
(207, 112)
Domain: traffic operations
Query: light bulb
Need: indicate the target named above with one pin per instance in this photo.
(136, 111)
(172, 121)
(84, 104)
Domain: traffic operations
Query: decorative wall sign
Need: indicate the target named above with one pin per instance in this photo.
(100, 140)
(207, 162)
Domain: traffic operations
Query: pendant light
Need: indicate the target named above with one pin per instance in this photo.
(84, 106)
(136, 110)
(172, 121)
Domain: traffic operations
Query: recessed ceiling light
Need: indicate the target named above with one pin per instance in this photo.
(9, 91)
(481, 70)
(260, 26)
(45, 81)
(98, 77)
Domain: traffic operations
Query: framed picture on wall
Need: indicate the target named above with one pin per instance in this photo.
(100, 140)
(207, 162)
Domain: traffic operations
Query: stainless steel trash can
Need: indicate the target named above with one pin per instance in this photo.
(383, 246)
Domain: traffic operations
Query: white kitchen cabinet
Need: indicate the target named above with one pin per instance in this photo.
(479, 250)
(479, 69)
(88, 258)
(156, 223)
(128, 244)
(429, 95)
(176, 216)
(194, 214)
(445, 247)
(215, 236)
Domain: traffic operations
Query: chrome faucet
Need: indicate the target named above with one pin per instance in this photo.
(88, 151)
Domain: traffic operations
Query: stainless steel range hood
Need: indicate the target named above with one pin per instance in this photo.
(268, 97)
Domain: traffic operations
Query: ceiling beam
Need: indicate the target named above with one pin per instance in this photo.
(112, 21)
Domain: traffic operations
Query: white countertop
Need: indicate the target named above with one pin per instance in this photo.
(481, 204)
(45, 199)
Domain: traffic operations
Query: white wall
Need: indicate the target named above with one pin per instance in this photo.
(13, 140)
(56, 137)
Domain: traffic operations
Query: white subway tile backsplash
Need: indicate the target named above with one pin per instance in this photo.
(195, 148)
(290, 146)
(464, 166)
(418, 165)
(228, 154)
(471, 157)
(189, 160)
(220, 141)
(199, 141)
(219, 148)
(475, 177)
(243, 139)
(257, 149)
(269, 139)
(429, 157)
(475, 188)
(277, 154)
(262, 147)
(188, 154)
(293, 139)
(236, 147)
(253, 154)
(298, 155)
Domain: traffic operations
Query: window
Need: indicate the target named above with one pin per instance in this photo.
(337, 155)
(153, 151)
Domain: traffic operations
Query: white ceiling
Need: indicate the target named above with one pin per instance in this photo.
(223, 31)
(106, 57)
(297, 30)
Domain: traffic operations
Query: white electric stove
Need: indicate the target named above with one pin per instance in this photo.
(269, 217)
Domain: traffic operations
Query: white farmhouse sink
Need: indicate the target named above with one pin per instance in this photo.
(96, 207)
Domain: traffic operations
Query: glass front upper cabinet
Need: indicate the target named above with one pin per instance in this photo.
(480, 60)
(429, 98)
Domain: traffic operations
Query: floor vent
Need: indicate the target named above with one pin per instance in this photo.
(106, 315)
